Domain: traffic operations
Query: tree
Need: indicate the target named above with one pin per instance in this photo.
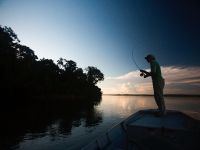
(60, 63)
(67, 65)
(94, 75)
(70, 66)
(8, 41)
(80, 75)
(25, 53)
(23, 74)
(7, 37)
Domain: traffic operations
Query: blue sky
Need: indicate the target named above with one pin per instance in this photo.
(104, 33)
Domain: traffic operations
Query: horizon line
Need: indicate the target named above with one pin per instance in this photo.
(192, 95)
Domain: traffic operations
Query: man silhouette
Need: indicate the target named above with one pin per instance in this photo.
(158, 82)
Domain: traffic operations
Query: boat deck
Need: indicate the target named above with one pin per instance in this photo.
(173, 131)
(172, 120)
(145, 131)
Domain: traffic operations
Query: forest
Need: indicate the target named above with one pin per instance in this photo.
(24, 75)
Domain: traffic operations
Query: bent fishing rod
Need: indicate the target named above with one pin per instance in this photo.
(134, 61)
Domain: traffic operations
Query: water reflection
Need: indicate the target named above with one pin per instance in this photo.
(123, 106)
(40, 122)
(59, 127)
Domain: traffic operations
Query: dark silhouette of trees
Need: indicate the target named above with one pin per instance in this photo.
(94, 75)
(39, 91)
(22, 74)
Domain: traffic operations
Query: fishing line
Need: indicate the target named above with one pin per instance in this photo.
(133, 59)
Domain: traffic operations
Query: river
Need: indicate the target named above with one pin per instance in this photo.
(71, 130)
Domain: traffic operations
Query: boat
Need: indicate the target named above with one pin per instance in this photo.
(144, 130)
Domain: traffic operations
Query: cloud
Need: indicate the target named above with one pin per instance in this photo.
(128, 76)
(178, 80)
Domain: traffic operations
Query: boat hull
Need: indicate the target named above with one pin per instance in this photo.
(144, 130)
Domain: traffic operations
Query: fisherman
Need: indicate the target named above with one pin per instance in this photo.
(158, 82)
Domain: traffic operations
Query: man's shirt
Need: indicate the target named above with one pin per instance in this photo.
(156, 71)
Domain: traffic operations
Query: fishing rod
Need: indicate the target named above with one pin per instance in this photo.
(133, 59)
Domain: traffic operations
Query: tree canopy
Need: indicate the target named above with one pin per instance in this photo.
(22, 73)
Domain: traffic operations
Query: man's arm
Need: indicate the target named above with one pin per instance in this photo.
(144, 71)
(146, 74)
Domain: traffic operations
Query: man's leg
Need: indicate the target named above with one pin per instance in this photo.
(161, 85)
(157, 99)
(158, 94)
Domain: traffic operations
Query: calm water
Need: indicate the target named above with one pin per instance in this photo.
(74, 128)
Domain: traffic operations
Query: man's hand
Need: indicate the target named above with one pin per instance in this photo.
(144, 73)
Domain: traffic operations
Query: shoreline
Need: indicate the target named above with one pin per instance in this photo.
(166, 95)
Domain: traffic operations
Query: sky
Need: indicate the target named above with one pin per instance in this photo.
(107, 34)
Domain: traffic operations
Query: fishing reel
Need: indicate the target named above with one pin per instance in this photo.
(141, 74)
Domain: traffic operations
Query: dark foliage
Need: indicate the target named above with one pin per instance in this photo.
(22, 74)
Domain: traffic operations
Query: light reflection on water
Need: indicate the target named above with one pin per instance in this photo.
(111, 111)
(123, 106)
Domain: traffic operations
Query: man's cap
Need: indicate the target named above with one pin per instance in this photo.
(150, 56)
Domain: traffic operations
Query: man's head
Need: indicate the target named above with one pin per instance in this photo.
(150, 58)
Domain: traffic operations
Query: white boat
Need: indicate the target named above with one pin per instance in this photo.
(146, 131)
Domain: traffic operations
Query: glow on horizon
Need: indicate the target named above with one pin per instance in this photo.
(178, 80)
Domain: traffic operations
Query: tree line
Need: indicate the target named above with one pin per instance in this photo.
(23, 74)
